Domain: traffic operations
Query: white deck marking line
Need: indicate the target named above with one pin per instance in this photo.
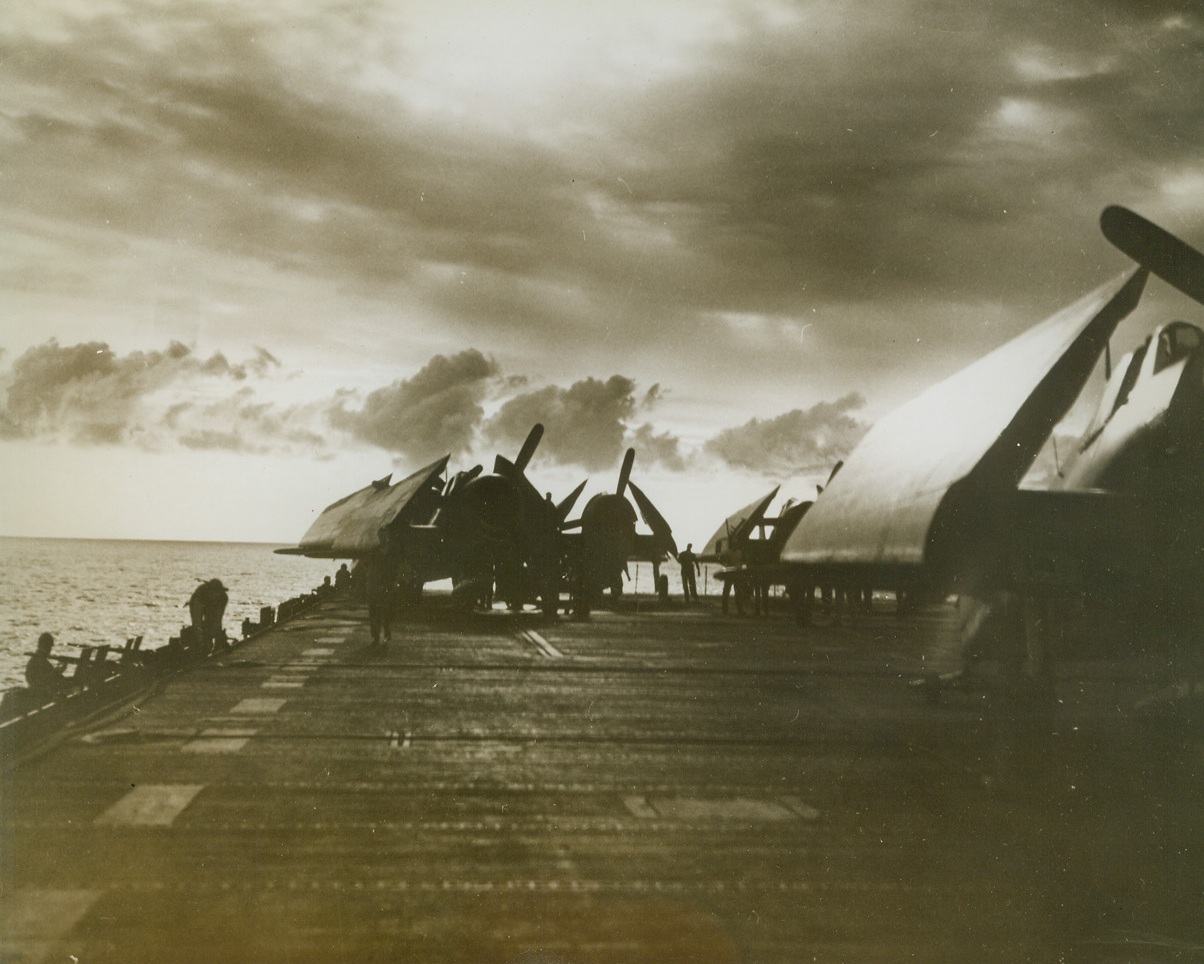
(636, 886)
(318, 651)
(694, 809)
(258, 706)
(639, 807)
(37, 921)
(739, 808)
(282, 683)
(804, 810)
(399, 741)
(216, 740)
(543, 645)
(152, 805)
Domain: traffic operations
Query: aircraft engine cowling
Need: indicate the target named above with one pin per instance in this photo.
(608, 538)
(484, 512)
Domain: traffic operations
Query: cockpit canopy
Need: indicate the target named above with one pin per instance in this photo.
(1173, 342)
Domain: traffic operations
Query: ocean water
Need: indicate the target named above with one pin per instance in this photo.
(88, 591)
(92, 591)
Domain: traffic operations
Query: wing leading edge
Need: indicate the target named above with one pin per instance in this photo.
(351, 527)
(916, 485)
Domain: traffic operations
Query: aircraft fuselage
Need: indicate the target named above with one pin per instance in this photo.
(1147, 433)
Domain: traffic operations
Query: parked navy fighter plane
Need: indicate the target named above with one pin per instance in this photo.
(474, 529)
(748, 545)
(606, 539)
(931, 498)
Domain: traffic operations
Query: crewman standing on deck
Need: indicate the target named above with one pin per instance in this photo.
(689, 566)
(378, 578)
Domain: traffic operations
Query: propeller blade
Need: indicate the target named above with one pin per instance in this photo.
(1174, 261)
(836, 468)
(625, 472)
(529, 447)
(565, 505)
(653, 519)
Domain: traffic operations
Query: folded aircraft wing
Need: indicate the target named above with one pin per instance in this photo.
(351, 527)
(923, 479)
(736, 527)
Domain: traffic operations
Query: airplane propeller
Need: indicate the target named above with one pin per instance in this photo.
(611, 512)
(1175, 262)
(654, 520)
(819, 489)
(529, 447)
(565, 506)
(517, 469)
(625, 471)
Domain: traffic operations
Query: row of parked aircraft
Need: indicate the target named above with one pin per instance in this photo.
(493, 533)
(929, 502)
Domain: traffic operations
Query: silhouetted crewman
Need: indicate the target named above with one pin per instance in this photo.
(43, 678)
(207, 607)
(342, 578)
(377, 585)
(689, 566)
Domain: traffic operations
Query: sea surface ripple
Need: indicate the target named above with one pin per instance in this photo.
(92, 591)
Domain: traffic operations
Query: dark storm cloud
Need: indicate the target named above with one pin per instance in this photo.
(87, 393)
(435, 412)
(795, 443)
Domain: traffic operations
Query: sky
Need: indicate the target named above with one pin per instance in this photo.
(253, 256)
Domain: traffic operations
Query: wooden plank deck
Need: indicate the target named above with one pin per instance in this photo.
(653, 786)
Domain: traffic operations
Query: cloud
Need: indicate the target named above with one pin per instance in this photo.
(797, 442)
(682, 175)
(651, 448)
(88, 394)
(436, 411)
(584, 424)
(242, 423)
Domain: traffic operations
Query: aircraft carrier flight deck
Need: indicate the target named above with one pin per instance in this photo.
(655, 784)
